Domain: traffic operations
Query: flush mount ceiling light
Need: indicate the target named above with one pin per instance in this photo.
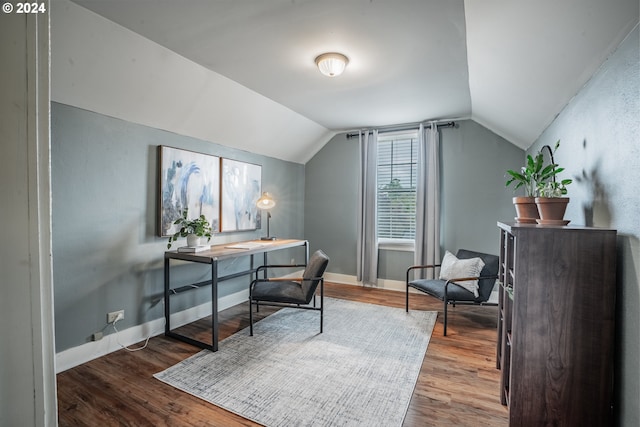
(332, 64)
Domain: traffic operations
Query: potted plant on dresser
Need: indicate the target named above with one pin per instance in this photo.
(551, 202)
(528, 178)
(192, 229)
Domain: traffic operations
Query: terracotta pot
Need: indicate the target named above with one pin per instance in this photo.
(526, 209)
(552, 208)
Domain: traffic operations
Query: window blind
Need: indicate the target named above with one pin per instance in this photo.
(396, 185)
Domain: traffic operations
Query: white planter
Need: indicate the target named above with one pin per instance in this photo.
(193, 240)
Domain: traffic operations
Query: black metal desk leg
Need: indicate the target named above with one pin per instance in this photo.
(214, 304)
(264, 262)
(167, 311)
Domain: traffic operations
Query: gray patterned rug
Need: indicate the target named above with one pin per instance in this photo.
(360, 372)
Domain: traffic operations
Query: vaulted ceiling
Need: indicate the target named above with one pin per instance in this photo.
(509, 65)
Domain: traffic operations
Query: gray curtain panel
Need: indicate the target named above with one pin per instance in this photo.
(427, 245)
(367, 247)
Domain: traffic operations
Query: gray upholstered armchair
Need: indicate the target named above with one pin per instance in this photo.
(289, 292)
(464, 291)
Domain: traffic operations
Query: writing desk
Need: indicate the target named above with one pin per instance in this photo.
(212, 256)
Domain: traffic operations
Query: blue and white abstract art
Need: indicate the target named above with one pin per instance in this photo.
(241, 189)
(188, 180)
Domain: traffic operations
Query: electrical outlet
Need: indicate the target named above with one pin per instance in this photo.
(293, 261)
(115, 316)
(96, 336)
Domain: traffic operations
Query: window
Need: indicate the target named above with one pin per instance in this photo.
(397, 157)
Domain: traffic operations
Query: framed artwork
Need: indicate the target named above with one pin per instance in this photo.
(241, 189)
(187, 180)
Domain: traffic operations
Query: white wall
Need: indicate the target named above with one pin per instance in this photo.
(27, 374)
(103, 67)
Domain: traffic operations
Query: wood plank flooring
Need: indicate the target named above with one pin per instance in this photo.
(458, 383)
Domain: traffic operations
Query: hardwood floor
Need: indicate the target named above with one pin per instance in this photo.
(458, 383)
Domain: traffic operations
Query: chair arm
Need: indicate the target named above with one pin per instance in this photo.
(464, 279)
(294, 279)
(415, 267)
(262, 267)
(285, 279)
(321, 278)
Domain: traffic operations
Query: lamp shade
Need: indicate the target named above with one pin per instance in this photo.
(332, 64)
(266, 201)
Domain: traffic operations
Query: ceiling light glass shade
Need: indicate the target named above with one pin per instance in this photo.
(332, 64)
(266, 201)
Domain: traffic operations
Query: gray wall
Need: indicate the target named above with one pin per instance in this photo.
(600, 149)
(474, 161)
(331, 192)
(474, 196)
(106, 255)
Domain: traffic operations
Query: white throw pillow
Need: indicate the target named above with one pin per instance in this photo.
(452, 268)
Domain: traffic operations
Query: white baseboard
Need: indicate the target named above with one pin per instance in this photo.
(75, 356)
(346, 279)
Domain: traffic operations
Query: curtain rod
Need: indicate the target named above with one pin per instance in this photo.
(406, 127)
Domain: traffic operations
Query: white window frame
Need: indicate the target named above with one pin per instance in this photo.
(396, 244)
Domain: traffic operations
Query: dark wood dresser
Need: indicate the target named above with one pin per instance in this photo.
(556, 324)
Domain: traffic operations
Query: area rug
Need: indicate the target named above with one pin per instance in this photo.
(360, 372)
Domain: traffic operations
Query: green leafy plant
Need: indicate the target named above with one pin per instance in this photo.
(535, 176)
(529, 176)
(554, 189)
(198, 226)
(549, 186)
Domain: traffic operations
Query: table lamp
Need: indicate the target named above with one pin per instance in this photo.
(265, 203)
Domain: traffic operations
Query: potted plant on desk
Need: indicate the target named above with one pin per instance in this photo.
(192, 229)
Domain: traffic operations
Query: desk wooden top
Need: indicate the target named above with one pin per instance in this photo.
(235, 249)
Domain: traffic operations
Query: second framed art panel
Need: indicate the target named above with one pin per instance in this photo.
(241, 188)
